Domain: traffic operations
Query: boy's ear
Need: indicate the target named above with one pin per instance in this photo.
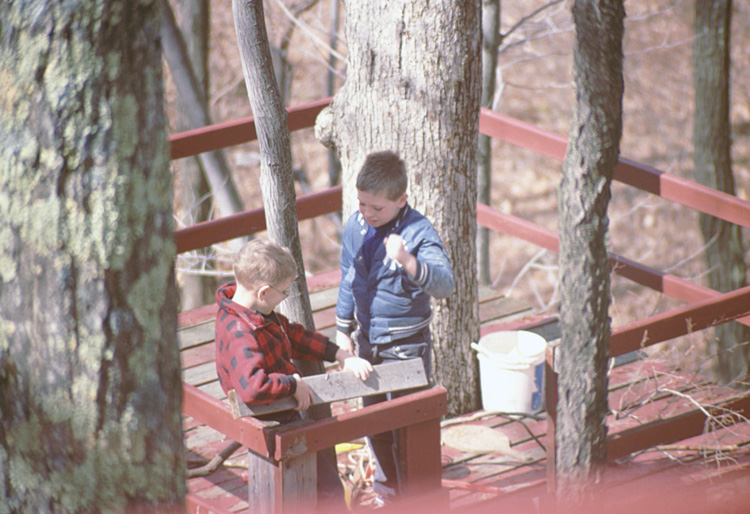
(262, 291)
(402, 200)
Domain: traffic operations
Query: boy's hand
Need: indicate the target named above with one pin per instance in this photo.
(344, 342)
(348, 362)
(394, 249)
(303, 394)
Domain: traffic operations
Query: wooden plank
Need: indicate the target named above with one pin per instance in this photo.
(196, 335)
(204, 234)
(235, 132)
(343, 385)
(275, 487)
(198, 355)
(201, 374)
(214, 389)
(324, 299)
(421, 468)
(681, 321)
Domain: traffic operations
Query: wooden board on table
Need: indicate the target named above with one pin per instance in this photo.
(344, 385)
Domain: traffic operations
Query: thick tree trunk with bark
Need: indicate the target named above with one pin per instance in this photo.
(90, 403)
(593, 150)
(712, 137)
(413, 86)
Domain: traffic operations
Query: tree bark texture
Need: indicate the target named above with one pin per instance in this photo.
(413, 86)
(276, 179)
(491, 40)
(712, 137)
(593, 150)
(90, 403)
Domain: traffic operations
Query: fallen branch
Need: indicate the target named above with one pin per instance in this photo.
(214, 463)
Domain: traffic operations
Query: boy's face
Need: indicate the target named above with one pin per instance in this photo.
(378, 209)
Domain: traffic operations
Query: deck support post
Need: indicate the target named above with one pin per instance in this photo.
(420, 458)
(284, 487)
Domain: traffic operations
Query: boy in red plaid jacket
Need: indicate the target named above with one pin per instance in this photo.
(255, 345)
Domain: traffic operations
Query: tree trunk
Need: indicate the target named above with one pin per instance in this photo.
(194, 23)
(712, 138)
(90, 406)
(277, 184)
(592, 154)
(491, 40)
(334, 165)
(413, 86)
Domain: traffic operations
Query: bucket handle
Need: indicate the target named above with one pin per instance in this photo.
(481, 350)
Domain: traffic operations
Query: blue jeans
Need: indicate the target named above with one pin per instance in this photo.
(385, 445)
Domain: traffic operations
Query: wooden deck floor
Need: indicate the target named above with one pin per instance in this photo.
(639, 391)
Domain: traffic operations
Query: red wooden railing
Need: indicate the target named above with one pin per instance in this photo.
(707, 307)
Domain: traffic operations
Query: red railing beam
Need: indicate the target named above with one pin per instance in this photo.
(680, 322)
(235, 132)
(670, 285)
(671, 187)
(398, 413)
(250, 222)
(215, 413)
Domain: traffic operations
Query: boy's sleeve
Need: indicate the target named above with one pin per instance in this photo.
(241, 365)
(434, 271)
(308, 344)
(345, 300)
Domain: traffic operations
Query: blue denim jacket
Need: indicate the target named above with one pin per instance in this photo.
(385, 302)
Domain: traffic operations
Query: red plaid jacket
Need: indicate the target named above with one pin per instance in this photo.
(254, 352)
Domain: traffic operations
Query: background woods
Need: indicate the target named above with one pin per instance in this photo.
(533, 83)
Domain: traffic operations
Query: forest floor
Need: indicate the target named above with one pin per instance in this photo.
(536, 87)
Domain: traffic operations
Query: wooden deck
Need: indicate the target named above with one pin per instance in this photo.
(639, 391)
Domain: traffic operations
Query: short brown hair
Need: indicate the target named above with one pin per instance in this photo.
(383, 173)
(260, 262)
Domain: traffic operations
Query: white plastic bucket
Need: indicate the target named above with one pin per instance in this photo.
(511, 371)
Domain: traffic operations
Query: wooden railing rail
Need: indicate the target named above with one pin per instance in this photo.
(666, 185)
(499, 126)
(236, 132)
(329, 201)
(671, 285)
(252, 221)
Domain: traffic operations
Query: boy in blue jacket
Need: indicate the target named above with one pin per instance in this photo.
(392, 262)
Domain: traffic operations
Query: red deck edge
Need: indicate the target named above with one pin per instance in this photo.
(206, 409)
